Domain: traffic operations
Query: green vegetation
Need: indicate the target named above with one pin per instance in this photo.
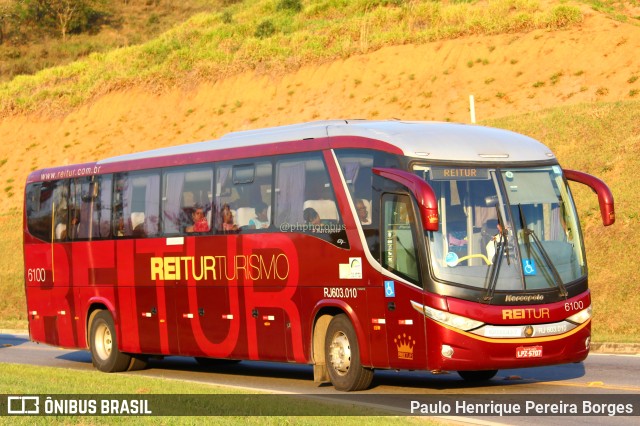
(31, 30)
(617, 9)
(263, 34)
(12, 294)
(17, 380)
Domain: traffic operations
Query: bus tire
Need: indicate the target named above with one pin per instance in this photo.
(477, 375)
(342, 356)
(105, 354)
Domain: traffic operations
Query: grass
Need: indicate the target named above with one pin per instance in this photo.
(133, 22)
(12, 295)
(616, 9)
(22, 380)
(212, 45)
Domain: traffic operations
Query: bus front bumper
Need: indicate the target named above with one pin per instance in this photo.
(451, 349)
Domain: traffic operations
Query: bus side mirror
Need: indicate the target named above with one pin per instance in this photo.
(605, 197)
(425, 196)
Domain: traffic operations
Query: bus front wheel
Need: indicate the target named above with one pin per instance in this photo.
(343, 356)
(105, 354)
(477, 375)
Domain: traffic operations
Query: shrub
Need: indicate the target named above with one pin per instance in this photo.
(290, 5)
(265, 29)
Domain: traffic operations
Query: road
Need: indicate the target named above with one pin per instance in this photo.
(599, 374)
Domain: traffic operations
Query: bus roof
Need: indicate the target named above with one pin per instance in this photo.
(427, 140)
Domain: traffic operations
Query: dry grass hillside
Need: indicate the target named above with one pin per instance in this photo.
(508, 74)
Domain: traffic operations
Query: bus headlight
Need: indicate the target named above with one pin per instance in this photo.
(581, 317)
(452, 320)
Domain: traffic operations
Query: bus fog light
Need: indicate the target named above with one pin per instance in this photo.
(447, 351)
(587, 343)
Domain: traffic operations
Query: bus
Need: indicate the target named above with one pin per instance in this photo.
(348, 245)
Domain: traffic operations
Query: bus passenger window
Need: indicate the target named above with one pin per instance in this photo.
(185, 194)
(90, 211)
(303, 186)
(243, 193)
(46, 206)
(136, 210)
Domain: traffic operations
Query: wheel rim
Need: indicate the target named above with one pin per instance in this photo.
(340, 353)
(103, 341)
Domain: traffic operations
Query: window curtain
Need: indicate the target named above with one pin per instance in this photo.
(223, 179)
(85, 198)
(557, 230)
(152, 205)
(127, 189)
(106, 188)
(172, 213)
(350, 170)
(291, 185)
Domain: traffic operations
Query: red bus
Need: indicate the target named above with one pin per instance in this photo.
(347, 245)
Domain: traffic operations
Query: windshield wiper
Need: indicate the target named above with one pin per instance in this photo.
(529, 233)
(496, 262)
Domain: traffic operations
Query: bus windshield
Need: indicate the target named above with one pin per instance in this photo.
(504, 229)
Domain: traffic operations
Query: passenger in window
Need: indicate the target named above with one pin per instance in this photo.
(261, 221)
(363, 214)
(61, 231)
(492, 246)
(139, 231)
(120, 230)
(200, 223)
(75, 223)
(311, 216)
(227, 219)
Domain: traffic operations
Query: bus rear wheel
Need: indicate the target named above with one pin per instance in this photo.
(105, 354)
(342, 355)
(477, 375)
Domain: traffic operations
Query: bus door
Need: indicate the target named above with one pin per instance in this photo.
(152, 301)
(207, 301)
(405, 325)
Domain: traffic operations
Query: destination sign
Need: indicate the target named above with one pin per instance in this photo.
(459, 173)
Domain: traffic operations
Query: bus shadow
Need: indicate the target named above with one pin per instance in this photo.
(10, 340)
(382, 378)
(247, 369)
(418, 380)
(451, 380)
(83, 357)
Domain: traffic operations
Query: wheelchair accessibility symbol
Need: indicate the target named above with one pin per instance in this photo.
(529, 267)
(389, 289)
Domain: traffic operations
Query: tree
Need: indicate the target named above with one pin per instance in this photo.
(61, 16)
(64, 12)
(5, 16)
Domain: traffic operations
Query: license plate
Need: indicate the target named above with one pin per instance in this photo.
(529, 352)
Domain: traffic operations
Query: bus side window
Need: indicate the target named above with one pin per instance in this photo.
(290, 192)
(45, 210)
(303, 183)
(90, 200)
(137, 205)
(184, 190)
